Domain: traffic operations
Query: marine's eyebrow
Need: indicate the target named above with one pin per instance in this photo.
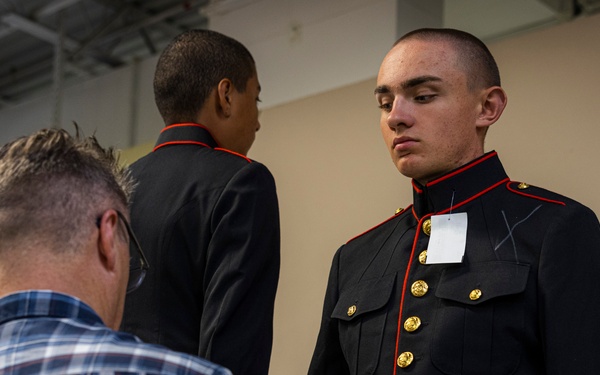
(381, 90)
(413, 82)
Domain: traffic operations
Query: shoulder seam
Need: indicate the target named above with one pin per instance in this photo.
(512, 190)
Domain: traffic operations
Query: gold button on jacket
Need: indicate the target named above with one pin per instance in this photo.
(412, 323)
(419, 288)
(427, 227)
(351, 310)
(405, 359)
(423, 257)
(475, 294)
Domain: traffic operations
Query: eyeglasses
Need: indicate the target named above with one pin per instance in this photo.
(138, 264)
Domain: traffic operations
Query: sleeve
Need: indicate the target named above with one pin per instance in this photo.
(328, 358)
(569, 296)
(242, 273)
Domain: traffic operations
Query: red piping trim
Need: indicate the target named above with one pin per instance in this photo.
(234, 153)
(376, 226)
(533, 196)
(184, 124)
(180, 143)
(467, 200)
(460, 170)
(474, 196)
(190, 124)
(415, 187)
(406, 274)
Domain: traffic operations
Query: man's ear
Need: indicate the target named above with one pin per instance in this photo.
(493, 102)
(108, 233)
(224, 90)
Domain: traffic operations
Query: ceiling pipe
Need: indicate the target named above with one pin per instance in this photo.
(37, 30)
(53, 7)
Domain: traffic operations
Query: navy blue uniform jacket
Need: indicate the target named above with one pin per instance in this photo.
(524, 301)
(208, 221)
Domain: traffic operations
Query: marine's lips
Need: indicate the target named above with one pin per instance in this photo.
(403, 143)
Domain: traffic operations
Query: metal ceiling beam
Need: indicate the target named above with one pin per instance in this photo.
(6, 31)
(44, 33)
(140, 11)
(148, 41)
(53, 7)
(99, 31)
(142, 23)
(37, 30)
(149, 20)
(123, 20)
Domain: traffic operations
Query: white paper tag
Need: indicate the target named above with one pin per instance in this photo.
(448, 238)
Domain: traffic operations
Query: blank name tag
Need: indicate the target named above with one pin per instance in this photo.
(448, 238)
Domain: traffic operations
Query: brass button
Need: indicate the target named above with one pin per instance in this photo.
(475, 294)
(427, 227)
(351, 310)
(419, 288)
(412, 324)
(405, 359)
(399, 210)
(423, 257)
(523, 185)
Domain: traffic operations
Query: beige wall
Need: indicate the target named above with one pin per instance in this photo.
(335, 178)
(549, 134)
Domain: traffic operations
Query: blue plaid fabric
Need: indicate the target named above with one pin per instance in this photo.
(43, 332)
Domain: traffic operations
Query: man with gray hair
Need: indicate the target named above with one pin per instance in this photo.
(66, 263)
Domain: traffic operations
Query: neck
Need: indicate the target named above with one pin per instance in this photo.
(67, 273)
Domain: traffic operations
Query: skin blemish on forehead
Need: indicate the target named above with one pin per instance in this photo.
(413, 82)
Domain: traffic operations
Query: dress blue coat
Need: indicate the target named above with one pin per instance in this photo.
(208, 220)
(523, 301)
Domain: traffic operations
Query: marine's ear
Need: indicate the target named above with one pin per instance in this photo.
(493, 102)
(224, 90)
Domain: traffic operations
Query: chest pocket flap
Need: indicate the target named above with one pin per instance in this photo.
(480, 282)
(364, 297)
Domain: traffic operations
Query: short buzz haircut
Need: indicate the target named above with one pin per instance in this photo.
(53, 187)
(473, 55)
(191, 66)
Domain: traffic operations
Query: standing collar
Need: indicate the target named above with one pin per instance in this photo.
(459, 186)
(45, 303)
(186, 133)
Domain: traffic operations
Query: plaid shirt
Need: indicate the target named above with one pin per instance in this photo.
(42, 332)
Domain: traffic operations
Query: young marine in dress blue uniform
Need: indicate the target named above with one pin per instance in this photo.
(519, 295)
